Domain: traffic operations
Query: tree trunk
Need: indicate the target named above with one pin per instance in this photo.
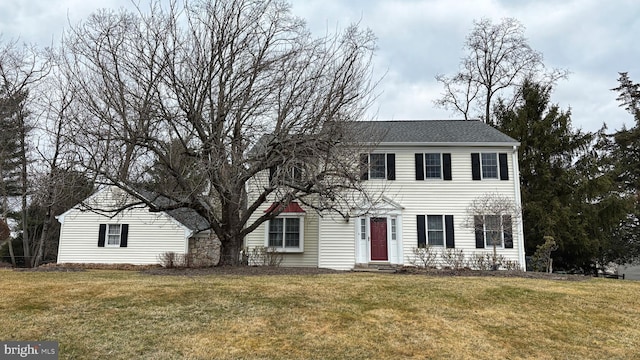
(12, 254)
(39, 253)
(230, 251)
(26, 245)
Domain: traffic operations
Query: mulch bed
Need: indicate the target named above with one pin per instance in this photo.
(273, 270)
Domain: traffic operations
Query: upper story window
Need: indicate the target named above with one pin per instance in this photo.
(378, 166)
(291, 174)
(433, 166)
(489, 165)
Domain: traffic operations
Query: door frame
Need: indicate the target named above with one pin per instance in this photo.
(363, 239)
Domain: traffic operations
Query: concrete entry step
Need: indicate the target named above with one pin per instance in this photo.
(375, 267)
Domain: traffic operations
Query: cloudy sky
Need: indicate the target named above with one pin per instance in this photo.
(419, 39)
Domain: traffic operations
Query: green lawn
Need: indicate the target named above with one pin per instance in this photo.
(126, 315)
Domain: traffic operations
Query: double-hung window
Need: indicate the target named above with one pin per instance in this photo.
(433, 166)
(113, 235)
(493, 230)
(489, 165)
(378, 166)
(435, 230)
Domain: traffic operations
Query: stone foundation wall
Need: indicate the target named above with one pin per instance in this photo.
(204, 251)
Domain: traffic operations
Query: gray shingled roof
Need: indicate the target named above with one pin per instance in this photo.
(432, 131)
(186, 216)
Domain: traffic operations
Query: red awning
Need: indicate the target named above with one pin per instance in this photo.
(292, 207)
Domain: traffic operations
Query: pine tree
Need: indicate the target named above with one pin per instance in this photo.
(566, 193)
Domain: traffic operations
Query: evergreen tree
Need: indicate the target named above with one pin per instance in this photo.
(9, 143)
(625, 154)
(564, 192)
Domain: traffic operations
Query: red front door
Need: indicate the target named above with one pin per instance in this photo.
(379, 239)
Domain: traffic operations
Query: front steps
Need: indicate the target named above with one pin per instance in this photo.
(376, 268)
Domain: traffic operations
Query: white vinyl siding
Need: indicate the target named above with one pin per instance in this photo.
(150, 235)
(308, 256)
(445, 197)
(333, 245)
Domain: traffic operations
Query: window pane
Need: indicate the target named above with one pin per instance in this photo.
(493, 231)
(394, 231)
(114, 229)
(490, 165)
(292, 233)
(363, 229)
(433, 167)
(113, 234)
(275, 232)
(435, 230)
(377, 166)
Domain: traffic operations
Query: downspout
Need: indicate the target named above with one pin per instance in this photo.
(518, 198)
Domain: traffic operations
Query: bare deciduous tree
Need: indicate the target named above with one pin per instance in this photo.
(238, 87)
(493, 217)
(499, 59)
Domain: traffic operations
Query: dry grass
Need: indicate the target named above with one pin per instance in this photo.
(126, 315)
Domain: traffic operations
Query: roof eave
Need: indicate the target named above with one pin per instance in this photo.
(451, 144)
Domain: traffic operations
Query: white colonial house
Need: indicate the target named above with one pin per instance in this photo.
(430, 172)
(89, 233)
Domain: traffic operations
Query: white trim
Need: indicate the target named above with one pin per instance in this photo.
(284, 249)
(424, 167)
(518, 199)
(107, 233)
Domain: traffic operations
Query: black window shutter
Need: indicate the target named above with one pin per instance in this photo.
(475, 166)
(419, 167)
(391, 166)
(364, 166)
(422, 234)
(124, 235)
(507, 229)
(504, 168)
(272, 173)
(448, 224)
(446, 166)
(479, 228)
(101, 234)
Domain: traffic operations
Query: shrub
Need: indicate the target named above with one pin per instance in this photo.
(453, 258)
(423, 256)
(541, 260)
(264, 256)
(480, 261)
